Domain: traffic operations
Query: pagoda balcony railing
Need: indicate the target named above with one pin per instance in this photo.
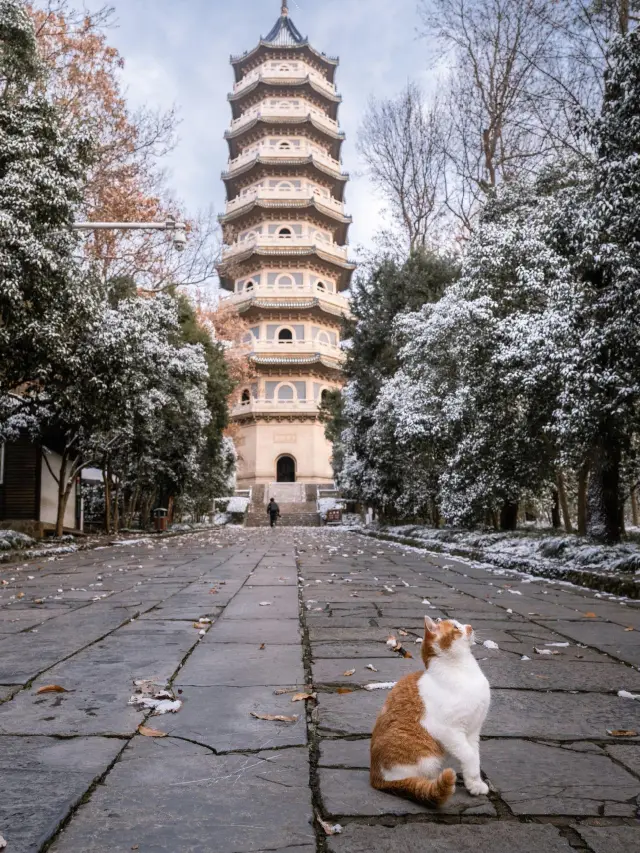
(296, 291)
(263, 111)
(264, 73)
(292, 348)
(275, 194)
(293, 244)
(262, 405)
(285, 154)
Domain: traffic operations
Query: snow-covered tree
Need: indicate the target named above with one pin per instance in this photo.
(43, 296)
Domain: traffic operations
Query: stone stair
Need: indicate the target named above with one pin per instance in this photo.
(291, 515)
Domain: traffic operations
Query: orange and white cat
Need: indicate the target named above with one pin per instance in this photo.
(431, 714)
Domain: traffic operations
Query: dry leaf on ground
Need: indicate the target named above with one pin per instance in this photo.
(302, 697)
(621, 733)
(590, 615)
(371, 667)
(349, 673)
(342, 691)
(51, 688)
(282, 691)
(403, 633)
(330, 829)
(145, 731)
(263, 647)
(274, 718)
(629, 629)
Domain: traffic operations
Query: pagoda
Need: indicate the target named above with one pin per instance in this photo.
(285, 258)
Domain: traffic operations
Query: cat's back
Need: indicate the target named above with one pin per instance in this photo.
(403, 705)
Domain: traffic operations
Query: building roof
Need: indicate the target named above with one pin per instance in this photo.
(285, 33)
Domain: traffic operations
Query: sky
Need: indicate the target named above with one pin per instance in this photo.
(177, 53)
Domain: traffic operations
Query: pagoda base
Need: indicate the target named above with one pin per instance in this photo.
(271, 452)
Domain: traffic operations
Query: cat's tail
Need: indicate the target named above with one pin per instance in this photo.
(434, 791)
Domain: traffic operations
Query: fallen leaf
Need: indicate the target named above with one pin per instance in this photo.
(392, 642)
(629, 629)
(342, 691)
(590, 615)
(330, 829)
(371, 667)
(213, 591)
(266, 603)
(51, 688)
(20, 595)
(621, 733)
(403, 633)
(274, 718)
(282, 691)
(147, 732)
(302, 697)
(263, 647)
(349, 673)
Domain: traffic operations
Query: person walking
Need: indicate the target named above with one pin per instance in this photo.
(273, 511)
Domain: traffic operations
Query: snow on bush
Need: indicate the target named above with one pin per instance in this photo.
(325, 505)
(526, 551)
(238, 506)
(11, 540)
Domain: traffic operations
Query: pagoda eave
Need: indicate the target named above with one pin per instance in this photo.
(287, 309)
(283, 121)
(282, 167)
(267, 50)
(266, 85)
(325, 215)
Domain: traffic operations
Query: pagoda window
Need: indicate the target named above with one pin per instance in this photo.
(323, 338)
(301, 388)
(270, 390)
(285, 281)
(285, 146)
(246, 396)
(285, 233)
(255, 331)
(249, 285)
(286, 394)
(324, 396)
(321, 286)
(299, 330)
(285, 335)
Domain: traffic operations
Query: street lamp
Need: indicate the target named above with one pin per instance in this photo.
(178, 229)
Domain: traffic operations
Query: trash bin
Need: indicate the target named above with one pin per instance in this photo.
(161, 519)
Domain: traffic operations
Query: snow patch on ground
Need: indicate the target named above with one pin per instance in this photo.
(528, 551)
(11, 540)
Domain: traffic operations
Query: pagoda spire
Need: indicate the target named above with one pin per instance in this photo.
(285, 8)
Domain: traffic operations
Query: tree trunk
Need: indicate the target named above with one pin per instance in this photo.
(495, 520)
(171, 508)
(107, 498)
(555, 510)
(116, 508)
(564, 503)
(509, 515)
(62, 501)
(583, 483)
(634, 506)
(624, 16)
(603, 494)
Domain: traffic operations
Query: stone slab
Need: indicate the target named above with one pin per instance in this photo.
(360, 651)
(558, 716)
(242, 666)
(273, 632)
(100, 683)
(553, 673)
(610, 839)
(247, 604)
(629, 755)
(180, 797)
(42, 780)
(488, 838)
(352, 713)
(333, 671)
(8, 691)
(347, 793)
(339, 752)
(221, 719)
(549, 779)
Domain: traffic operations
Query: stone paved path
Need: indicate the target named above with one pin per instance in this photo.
(76, 777)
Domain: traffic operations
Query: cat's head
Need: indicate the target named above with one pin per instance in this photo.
(445, 638)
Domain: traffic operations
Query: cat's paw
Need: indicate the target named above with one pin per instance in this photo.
(477, 788)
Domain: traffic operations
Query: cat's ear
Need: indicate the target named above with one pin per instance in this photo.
(430, 626)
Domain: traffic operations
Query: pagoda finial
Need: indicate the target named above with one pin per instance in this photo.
(285, 8)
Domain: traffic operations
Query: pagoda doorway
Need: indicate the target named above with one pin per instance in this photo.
(286, 470)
